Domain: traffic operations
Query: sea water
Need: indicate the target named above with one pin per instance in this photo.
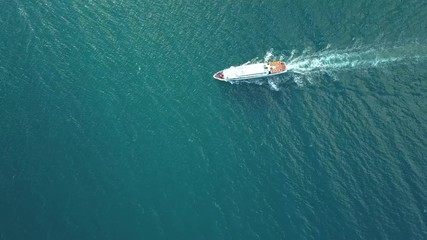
(112, 126)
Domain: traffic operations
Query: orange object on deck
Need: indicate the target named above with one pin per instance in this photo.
(277, 67)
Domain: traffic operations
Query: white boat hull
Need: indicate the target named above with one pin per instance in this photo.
(251, 71)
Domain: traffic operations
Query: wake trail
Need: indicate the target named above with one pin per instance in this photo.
(330, 60)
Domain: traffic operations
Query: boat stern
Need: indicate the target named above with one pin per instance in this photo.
(277, 67)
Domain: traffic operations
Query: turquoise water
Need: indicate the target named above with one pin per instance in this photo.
(112, 126)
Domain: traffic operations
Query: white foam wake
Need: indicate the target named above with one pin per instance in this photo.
(354, 58)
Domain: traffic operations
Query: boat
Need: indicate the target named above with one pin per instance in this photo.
(250, 71)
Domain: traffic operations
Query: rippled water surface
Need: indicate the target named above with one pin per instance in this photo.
(112, 127)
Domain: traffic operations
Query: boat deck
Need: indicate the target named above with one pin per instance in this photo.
(256, 70)
(277, 67)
